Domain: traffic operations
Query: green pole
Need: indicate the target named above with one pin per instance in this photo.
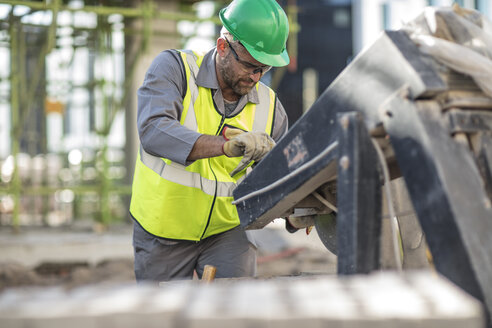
(14, 112)
(105, 187)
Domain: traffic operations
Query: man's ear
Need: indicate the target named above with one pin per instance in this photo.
(221, 46)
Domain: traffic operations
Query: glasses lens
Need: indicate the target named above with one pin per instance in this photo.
(248, 67)
(257, 70)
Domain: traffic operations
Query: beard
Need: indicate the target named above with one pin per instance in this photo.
(232, 80)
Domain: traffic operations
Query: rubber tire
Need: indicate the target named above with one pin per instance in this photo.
(326, 227)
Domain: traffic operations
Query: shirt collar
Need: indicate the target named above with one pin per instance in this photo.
(207, 77)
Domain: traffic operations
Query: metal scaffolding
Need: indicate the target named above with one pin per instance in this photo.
(92, 188)
(28, 84)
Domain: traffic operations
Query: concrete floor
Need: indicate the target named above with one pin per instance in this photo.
(379, 300)
(79, 243)
(296, 287)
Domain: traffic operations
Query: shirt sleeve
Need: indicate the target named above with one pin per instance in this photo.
(160, 105)
(280, 123)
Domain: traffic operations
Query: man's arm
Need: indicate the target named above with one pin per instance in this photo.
(206, 146)
(211, 146)
(160, 106)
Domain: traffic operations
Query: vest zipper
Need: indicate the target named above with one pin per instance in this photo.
(213, 201)
(216, 182)
(220, 124)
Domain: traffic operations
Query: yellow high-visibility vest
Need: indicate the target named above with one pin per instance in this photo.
(193, 202)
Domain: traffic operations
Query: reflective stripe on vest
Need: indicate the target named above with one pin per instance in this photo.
(175, 173)
(193, 202)
(190, 118)
(262, 119)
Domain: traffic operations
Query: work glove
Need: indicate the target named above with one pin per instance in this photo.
(229, 133)
(253, 146)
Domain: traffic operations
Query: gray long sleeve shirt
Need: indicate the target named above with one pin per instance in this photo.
(160, 105)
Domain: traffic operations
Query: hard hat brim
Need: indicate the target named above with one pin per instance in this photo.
(268, 59)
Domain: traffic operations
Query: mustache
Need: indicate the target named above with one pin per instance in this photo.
(249, 80)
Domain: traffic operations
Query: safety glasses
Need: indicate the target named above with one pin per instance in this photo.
(247, 66)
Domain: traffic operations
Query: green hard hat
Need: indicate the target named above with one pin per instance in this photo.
(262, 28)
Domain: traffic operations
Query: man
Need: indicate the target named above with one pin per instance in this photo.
(202, 120)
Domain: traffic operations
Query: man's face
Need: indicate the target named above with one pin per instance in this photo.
(239, 70)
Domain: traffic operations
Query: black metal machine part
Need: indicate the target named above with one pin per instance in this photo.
(392, 65)
(447, 192)
(394, 88)
(359, 198)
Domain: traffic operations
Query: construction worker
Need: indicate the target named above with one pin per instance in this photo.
(202, 120)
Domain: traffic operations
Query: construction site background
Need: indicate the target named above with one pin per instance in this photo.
(68, 80)
(69, 74)
(70, 71)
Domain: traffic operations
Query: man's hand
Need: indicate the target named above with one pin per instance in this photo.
(253, 146)
(229, 133)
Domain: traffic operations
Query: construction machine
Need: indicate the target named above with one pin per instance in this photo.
(415, 104)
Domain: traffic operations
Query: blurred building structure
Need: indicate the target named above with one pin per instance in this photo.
(70, 69)
(68, 80)
(332, 32)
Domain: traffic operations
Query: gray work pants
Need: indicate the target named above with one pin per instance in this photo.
(158, 259)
